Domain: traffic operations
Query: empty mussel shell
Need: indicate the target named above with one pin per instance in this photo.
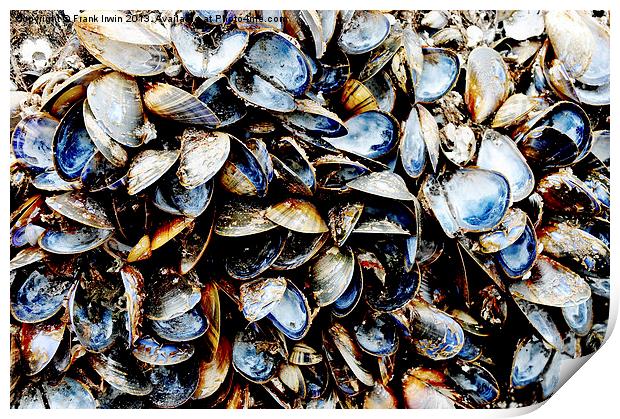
(371, 134)
(377, 334)
(484, 94)
(212, 374)
(363, 31)
(147, 167)
(253, 256)
(542, 321)
(80, 208)
(488, 193)
(170, 102)
(40, 297)
(203, 154)
(291, 314)
(331, 274)
(242, 217)
(519, 257)
(173, 385)
(72, 146)
(530, 359)
(129, 47)
(298, 249)
(551, 284)
(124, 122)
(440, 71)
(255, 356)
(39, 343)
(384, 184)
(258, 298)
(174, 198)
(297, 215)
(499, 153)
(243, 173)
(73, 239)
(171, 295)
(188, 326)
(149, 350)
(32, 140)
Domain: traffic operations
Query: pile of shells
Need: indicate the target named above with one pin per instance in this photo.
(316, 209)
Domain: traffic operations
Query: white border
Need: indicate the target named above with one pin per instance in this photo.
(591, 393)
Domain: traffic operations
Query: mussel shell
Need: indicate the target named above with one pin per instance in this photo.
(188, 326)
(399, 285)
(212, 374)
(73, 240)
(446, 198)
(563, 192)
(551, 284)
(255, 357)
(170, 102)
(514, 110)
(377, 334)
(413, 153)
(278, 60)
(39, 297)
(39, 343)
(542, 321)
(72, 146)
(435, 334)
(302, 354)
(546, 144)
(32, 140)
(440, 72)
(518, 258)
(485, 94)
(81, 208)
(258, 298)
(297, 215)
(133, 283)
(371, 134)
(578, 249)
(120, 371)
(333, 173)
(121, 46)
(243, 173)
(331, 274)
(313, 119)
(346, 303)
(384, 184)
(257, 91)
(476, 383)
(174, 198)
(506, 233)
(242, 217)
(171, 295)
(572, 40)
(530, 360)
(424, 388)
(173, 385)
(123, 120)
(202, 155)
(363, 31)
(356, 98)
(298, 249)
(26, 257)
(50, 181)
(109, 148)
(198, 58)
(98, 174)
(291, 314)
(147, 167)
(93, 324)
(215, 92)
(249, 258)
(579, 318)
(349, 351)
(499, 153)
